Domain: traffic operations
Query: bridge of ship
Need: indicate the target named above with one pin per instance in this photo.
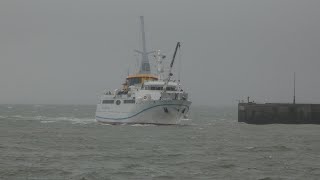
(140, 79)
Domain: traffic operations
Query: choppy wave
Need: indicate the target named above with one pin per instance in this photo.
(44, 119)
(142, 125)
(186, 119)
(48, 121)
(75, 120)
(268, 148)
(82, 121)
(205, 148)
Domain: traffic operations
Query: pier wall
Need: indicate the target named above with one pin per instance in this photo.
(281, 113)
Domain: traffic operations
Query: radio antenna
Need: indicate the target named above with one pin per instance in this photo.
(294, 87)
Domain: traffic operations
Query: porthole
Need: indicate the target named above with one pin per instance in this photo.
(118, 102)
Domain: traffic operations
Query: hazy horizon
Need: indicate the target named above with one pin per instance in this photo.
(68, 52)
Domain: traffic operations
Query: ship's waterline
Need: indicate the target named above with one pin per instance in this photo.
(156, 112)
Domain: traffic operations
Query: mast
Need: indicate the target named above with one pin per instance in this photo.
(144, 49)
(294, 88)
(145, 65)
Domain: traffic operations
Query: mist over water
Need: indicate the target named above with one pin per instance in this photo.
(65, 142)
(68, 52)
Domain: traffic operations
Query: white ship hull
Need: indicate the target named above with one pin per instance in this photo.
(148, 112)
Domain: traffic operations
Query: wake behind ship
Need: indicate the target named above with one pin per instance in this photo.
(146, 98)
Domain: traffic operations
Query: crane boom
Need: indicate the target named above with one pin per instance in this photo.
(174, 55)
(171, 65)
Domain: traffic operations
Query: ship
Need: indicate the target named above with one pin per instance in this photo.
(146, 97)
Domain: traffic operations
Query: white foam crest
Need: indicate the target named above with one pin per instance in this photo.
(38, 117)
(18, 116)
(59, 118)
(44, 119)
(72, 119)
(187, 119)
(105, 124)
(250, 147)
(38, 105)
(82, 121)
(142, 125)
(47, 121)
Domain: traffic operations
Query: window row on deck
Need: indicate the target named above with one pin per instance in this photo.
(172, 88)
(127, 101)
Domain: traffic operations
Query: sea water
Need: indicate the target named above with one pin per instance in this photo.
(65, 142)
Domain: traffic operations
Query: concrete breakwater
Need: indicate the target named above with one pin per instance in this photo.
(282, 113)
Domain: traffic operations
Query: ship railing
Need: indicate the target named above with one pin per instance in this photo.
(174, 96)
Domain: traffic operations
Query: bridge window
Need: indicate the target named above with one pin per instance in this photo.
(131, 101)
(171, 88)
(133, 81)
(107, 101)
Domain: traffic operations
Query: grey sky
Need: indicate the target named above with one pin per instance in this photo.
(68, 51)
